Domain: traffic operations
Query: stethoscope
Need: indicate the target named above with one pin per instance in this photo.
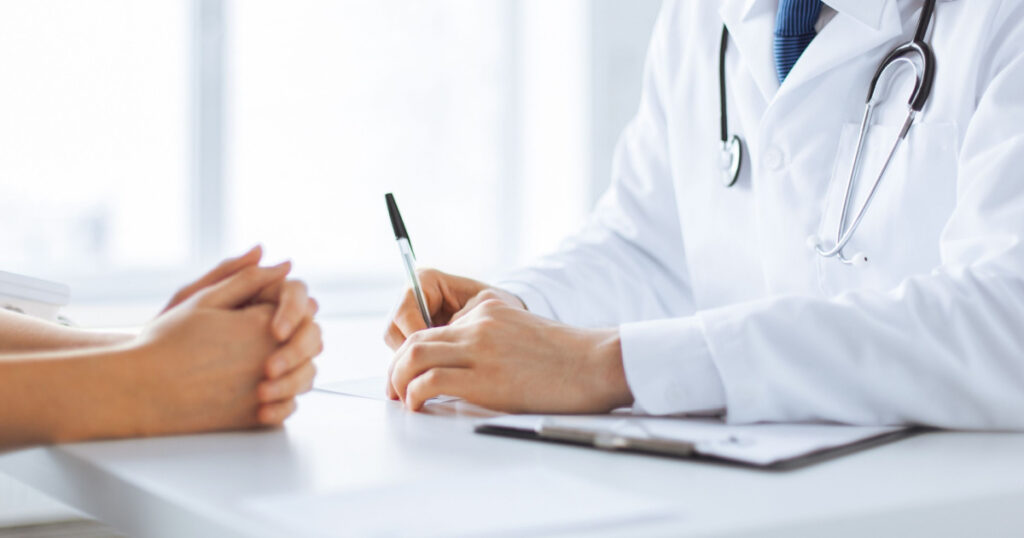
(731, 158)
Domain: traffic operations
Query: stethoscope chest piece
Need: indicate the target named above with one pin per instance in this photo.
(731, 159)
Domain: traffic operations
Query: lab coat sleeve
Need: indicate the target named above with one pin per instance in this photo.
(944, 349)
(628, 261)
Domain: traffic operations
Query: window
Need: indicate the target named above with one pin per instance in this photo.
(142, 141)
(93, 137)
(332, 104)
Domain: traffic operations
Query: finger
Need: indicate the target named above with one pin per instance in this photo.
(408, 317)
(296, 382)
(470, 305)
(304, 346)
(275, 413)
(415, 359)
(489, 294)
(393, 337)
(231, 266)
(312, 307)
(242, 286)
(225, 269)
(291, 310)
(458, 382)
(388, 389)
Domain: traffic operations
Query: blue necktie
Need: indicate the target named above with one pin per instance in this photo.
(794, 30)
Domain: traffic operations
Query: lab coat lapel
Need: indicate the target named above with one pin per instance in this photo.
(844, 38)
(751, 25)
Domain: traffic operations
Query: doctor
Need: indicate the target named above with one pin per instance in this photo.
(683, 294)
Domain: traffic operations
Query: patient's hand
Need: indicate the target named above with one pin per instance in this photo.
(290, 297)
(205, 363)
(292, 321)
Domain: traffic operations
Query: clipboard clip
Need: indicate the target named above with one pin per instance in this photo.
(606, 440)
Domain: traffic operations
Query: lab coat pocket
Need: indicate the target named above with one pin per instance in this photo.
(900, 230)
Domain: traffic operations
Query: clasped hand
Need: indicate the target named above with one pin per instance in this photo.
(231, 350)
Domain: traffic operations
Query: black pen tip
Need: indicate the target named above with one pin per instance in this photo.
(396, 217)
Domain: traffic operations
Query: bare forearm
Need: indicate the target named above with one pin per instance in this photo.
(66, 396)
(20, 334)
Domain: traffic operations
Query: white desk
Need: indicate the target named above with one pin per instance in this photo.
(947, 484)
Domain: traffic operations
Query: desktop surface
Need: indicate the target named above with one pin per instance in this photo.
(336, 446)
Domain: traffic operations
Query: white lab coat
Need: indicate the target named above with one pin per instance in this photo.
(719, 300)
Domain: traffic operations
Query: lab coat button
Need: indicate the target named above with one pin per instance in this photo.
(773, 159)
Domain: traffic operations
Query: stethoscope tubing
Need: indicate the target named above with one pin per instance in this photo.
(918, 48)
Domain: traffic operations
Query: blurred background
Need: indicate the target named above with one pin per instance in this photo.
(140, 142)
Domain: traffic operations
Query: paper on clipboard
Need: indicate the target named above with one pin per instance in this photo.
(762, 445)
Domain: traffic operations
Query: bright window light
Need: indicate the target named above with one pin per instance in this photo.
(332, 104)
(93, 137)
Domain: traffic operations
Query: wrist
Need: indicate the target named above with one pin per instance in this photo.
(96, 400)
(609, 375)
(133, 384)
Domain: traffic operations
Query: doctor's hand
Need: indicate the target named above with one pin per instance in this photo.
(501, 357)
(448, 297)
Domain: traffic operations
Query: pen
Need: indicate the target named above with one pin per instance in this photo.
(408, 256)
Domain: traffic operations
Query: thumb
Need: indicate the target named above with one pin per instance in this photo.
(242, 286)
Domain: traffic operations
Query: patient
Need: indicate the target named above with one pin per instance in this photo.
(231, 350)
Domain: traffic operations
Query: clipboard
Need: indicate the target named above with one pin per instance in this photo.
(759, 446)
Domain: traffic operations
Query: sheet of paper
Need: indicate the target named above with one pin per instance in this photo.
(759, 444)
(508, 502)
(369, 387)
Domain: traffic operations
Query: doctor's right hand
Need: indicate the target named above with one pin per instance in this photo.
(448, 297)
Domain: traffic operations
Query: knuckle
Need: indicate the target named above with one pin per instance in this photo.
(432, 379)
(491, 305)
(296, 289)
(489, 294)
(486, 325)
(416, 354)
(429, 273)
